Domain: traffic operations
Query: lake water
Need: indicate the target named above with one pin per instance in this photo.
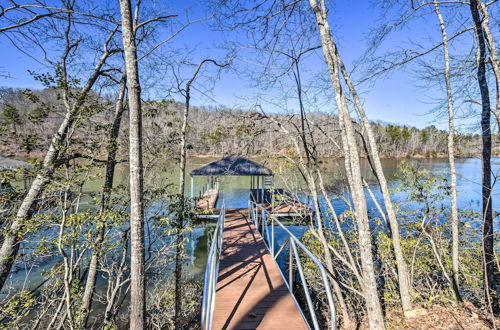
(234, 190)
(235, 193)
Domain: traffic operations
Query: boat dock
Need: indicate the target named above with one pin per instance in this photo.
(244, 287)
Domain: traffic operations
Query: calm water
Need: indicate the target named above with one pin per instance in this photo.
(235, 193)
(234, 190)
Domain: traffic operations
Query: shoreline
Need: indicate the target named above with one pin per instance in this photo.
(40, 156)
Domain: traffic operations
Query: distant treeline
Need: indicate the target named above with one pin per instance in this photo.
(29, 119)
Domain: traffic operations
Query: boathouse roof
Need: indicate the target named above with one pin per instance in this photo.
(11, 164)
(232, 166)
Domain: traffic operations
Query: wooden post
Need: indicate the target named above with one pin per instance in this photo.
(251, 186)
(290, 265)
(272, 194)
(262, 189)
(192, 187)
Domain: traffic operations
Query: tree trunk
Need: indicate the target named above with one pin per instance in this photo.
(137, 273)
(179, 252)
(112, 147)
(346, 319)
(489, 265)
(451, 156)
(402, 268)
(179, 244)
(309, 167)
(111, 306)
(374, 309)
(307, 173)
(494, 60)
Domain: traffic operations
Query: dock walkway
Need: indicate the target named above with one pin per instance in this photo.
(251, 292)
(208, 200)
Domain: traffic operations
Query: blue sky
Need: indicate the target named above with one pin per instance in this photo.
(395, 98)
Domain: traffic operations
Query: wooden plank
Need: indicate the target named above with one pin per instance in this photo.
(284, 202)
(291, 207)
(208, 200)
(251, 293)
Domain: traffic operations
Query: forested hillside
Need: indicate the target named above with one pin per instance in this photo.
(28, 118)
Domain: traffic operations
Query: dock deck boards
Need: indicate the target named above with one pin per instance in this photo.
(251, 293)
(208, 200)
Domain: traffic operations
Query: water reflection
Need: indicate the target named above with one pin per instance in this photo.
(235, 193)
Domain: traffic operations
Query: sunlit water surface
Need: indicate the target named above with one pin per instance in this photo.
(235, 193)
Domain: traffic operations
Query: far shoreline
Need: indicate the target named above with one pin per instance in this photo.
(40, 156)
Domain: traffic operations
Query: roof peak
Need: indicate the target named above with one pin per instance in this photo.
(232, 165)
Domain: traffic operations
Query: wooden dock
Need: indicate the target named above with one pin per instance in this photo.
(280, 202)
(251, 292)
(208, 200)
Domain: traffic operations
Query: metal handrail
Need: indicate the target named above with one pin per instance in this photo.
(261, 220)
(212, 272)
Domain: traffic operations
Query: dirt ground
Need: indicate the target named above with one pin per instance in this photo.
(440, 317)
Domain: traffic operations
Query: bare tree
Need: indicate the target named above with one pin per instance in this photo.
(373, 154)
(489, 263)
(374, 309)
(493, 53)
(112, 149)
(137, 273)
(451, 154)
(179, 225)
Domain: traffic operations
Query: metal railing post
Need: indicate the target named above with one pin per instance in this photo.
(304, 285)
(211, 271)
(329, 296)
(255, 218)
(266, 230)
(290, 265)
(272, 236)
(257, 214)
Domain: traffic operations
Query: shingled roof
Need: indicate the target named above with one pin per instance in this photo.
(232, 166)
(10, 164)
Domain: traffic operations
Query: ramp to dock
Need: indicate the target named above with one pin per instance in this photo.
(251, 292)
